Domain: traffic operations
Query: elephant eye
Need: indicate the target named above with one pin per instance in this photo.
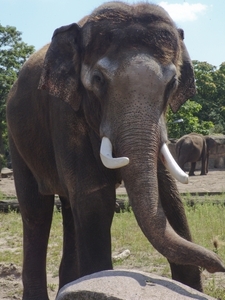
(97, 78)
(170, 88)
(173, 83)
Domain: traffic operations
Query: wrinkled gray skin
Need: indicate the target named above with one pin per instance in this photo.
(192, 148)
(112, 75)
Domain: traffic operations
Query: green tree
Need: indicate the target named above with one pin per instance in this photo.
(210, 83)
(13, 53)
(205, 113)
(186, 120)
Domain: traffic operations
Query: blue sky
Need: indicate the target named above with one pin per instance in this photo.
(203, 21)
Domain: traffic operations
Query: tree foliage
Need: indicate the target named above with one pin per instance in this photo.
(13, 53)
(186, 121)
(210, 83)
(205, 112)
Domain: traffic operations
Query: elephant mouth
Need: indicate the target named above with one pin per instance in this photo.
(118, 162)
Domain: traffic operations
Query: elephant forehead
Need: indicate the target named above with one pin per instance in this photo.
(119, 29)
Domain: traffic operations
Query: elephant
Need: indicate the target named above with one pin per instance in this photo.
(87, 111)
(192, 148)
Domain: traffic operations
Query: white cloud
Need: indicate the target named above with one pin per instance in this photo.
(184, 12)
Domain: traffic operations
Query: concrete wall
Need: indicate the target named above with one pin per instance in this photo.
(216, 157)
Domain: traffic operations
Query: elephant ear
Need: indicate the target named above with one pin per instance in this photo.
(60, 75)
(186, 88)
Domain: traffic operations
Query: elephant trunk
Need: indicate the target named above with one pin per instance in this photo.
(140, 178)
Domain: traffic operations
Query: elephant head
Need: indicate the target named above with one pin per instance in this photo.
(122, 66)
(211, 143)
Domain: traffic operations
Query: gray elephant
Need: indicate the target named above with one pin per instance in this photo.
(108, 78)
(192, 148)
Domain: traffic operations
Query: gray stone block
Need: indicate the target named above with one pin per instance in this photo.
(127, 285)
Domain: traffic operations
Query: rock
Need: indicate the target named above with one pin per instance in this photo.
(5, 172)
(127, 285)
(121, 256)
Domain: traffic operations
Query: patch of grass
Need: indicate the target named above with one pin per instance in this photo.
(126, 234)
(216, 199)
(11, 238)
(2, 196)
(55, 244)
(52, 286)
(5, 197)
(207, 224)
(214, 289)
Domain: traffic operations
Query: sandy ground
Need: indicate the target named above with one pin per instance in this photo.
(213, 182)
(10, 275)
(7, 186)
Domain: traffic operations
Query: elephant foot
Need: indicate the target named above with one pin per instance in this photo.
(203, 174)
(191, 174)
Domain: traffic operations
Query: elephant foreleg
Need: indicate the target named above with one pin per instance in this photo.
(174, 211)
(36, 211)
(192, 170)
(93, 215)
(92, 199)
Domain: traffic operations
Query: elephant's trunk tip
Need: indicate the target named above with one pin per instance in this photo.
(219, 267)
(216, 265)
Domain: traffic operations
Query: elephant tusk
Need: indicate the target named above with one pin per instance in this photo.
(106, 156)
(172, 165)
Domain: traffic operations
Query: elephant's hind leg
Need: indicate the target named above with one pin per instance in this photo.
(204, 169)
(36, 211)
(192, 170)
(68, 270)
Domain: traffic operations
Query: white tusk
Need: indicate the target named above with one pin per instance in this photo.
(106, 156)
(172, 165)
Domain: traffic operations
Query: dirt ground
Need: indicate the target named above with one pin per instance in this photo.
(10, 275)
(213, 182)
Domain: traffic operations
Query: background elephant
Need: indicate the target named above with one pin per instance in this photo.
(110, 77)
(192, 148)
